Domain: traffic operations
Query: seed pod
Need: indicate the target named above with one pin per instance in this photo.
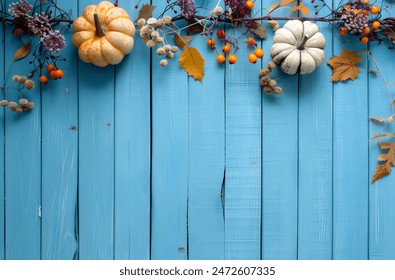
(271, 65)
(174, 49)
(277, 90)
(169, 55)
(23, 101)
(272, 83)
(154, 34)
(22, 79)
(141, 22)
(160, 23)
(167, 48)
(3, 103)
(150, 43)
(268, 90)
(19, 109)
(158, 40)
(29, 84)
(151, 21)
(13, 105)
(160, 51)
(167, 19)
(163, 62)
(30, 105)
(16, 78)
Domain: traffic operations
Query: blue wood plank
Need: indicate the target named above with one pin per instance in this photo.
(243, 156)
(132, 152)
(315, 157)
(350, 181)
(23, 164)
(60, 157)
(169, 158)
(96, 159)
(280, 164)
(382, 193)
(2, 163)
(206, 158)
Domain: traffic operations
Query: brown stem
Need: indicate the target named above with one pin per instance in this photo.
(99, 29)
(301, 45)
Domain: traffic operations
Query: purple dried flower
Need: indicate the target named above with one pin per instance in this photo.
(188, 8)
(20, 9)
(53, 41)
(39, 24)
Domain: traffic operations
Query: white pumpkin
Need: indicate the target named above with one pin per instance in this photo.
(298, 47)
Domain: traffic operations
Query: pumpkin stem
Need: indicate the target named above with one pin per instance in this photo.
(301, 45)
(99, 29)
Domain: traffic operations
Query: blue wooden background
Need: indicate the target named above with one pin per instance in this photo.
(142, 162)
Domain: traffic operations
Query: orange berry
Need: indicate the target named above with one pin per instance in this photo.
(221, 58)
(221, 33)
(366, 30)
(364, 40)
(250, 4)
(252, 58)
(375, 10)
(211, 43)
(365, 12)
(50, 67)
(356, 11)
(43, 79)
(56, 74)
(376, 25)
(226, 48)
(250, 41)
(365, 2)
(232, 59)
(343, 31)
(259, 53)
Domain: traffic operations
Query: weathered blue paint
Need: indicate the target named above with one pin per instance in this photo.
(139, 161)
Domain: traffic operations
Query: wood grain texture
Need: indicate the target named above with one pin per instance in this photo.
(132, 151)
(96, 159)
(382, 193)
(2, 162)
(60, 158)
(23, 164)
(315, 157)
(169, 158)
(243, 156)
(350, 161)
(279, 164)
(206, 158)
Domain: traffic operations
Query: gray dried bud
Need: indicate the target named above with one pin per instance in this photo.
(160, 51)
(29, 84)
(23, 101)
(272, 83)
(160, 23)
(277, 90)
(169, 55)
(268, 90)
(167, 48)
(3, 103)
(271, 65)
(158, 40)
(167, 19)
(151, 21)
(16, 78)
(13, 105)
(174, 49)
(22, 79)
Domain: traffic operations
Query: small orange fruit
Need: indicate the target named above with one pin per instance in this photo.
(252, 58)
(211, 43)
(375, 10)
(366, 30)
(259, 53)
(232, 59)
(226, 48)
(250, 41)
(365, 2)
(56, 74)
(43, 79)
(346, 9)
(356, 11)
(221, 33)
(376, 25)
(250, 4)
(221, 58)
(364, 40)
(343, 31)
(50, 67)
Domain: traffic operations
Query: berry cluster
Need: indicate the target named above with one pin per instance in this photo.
(152, 31)
(54, 73)
(355, 20)
(226, 49)
(240, 8)
(269, 85)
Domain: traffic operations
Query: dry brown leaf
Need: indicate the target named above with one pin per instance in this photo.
(380, 135)
(274, 6)
(182, 41)
(146, 11)
(22, 51)
(388, 159)
(344, 66)
(304, 10)
(192, 62)
(286, 2)
(260, 31)
(393, 102)
(194, 26)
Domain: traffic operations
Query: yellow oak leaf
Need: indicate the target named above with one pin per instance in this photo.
(286, 2)
(344, 66)
(304, 10)
(192, 62)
